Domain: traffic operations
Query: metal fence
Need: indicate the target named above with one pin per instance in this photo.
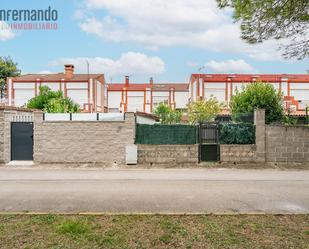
(209, 133)
(83, 117)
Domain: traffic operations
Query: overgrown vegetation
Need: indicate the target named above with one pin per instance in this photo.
(258, 95)
(167, 115)
(203, 110)
(154, 231)
(52, 102)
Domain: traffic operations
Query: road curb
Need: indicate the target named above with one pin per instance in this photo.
(151, 214)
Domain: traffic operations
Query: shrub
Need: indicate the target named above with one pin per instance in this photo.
(51, 101)
(203, 110)
(259, 95)
(233, 133)
(61, 105)
(167, 115)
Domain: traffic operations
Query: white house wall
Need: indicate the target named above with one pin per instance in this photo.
(216, 90)
(114, 100)
(135, 101)
(181, 99)
(99, 93)
(78, 96)
(276, 85)
(159, 97)
(23, 85)
(194, 91)
(54, 86)
(22, 96)
(75, 85)
(23, 92)
(144, 120)
(300, 91)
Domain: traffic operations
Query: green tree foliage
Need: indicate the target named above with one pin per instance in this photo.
(203, 110)
(52, 102)
(262, 20)
(258, 95)
(167, 115)
(8, 68)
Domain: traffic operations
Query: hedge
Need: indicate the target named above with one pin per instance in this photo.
(230, 133)
(237, 133)
(165, 134)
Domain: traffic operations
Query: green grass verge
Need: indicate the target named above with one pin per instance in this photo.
(154, 231)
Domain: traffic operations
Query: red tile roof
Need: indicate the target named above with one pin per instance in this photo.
(148, 115)
(55, 77)
(248, 77)
(155, 87)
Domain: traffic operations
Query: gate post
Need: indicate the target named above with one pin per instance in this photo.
(260, 132)
(198, 138)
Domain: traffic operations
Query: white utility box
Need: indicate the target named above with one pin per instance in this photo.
(131, 154)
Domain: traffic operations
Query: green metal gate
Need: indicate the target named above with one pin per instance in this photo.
(209, 147)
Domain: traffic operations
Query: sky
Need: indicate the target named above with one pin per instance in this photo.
(166, 40)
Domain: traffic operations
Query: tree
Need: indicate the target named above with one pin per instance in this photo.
(8, 68)
(203, 110)
(258, 95)
(167, 115)
(162, 111)
(261, 20)
(52, 102)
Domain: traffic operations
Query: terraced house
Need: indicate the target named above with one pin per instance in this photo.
(93, 94)
(294, 87)
(88, 90)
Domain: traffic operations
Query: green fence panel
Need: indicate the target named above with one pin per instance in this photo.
(237, 133)
(165, 134)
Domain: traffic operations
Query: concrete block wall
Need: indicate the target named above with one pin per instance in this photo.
(237, 153)
(287, 144)
(171, 155)
(82, 141)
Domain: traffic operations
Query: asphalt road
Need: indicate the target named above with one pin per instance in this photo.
(154, 191)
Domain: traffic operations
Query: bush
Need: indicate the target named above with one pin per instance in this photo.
(262, 96)
(203, 110)
(167, 115)
(61, 105)
(233, 133)
(52, 102)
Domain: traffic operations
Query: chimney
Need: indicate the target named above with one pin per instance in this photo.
(69, 71)
(151, 81)
(127, 80)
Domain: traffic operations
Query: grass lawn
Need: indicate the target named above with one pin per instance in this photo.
(154, 231)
